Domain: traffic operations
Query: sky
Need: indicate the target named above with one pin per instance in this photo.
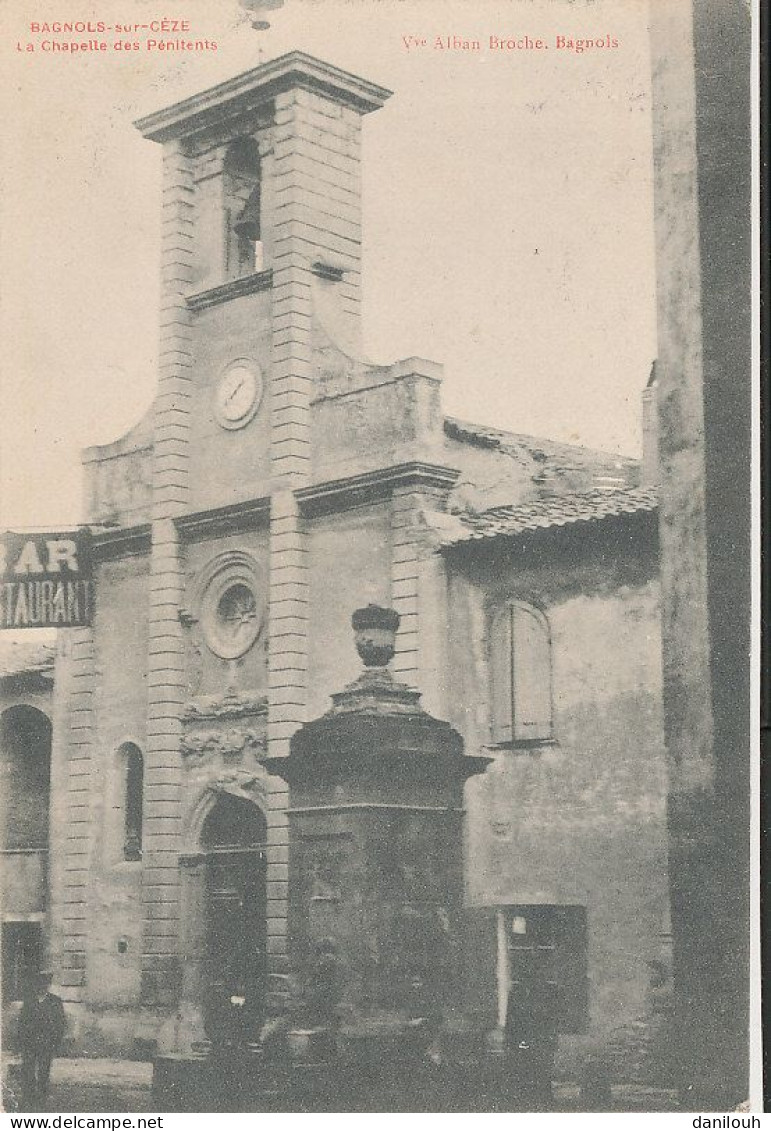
(508, 218)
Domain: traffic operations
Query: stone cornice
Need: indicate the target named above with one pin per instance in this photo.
(319, 498)
(234, 288)
(121, 541)
(372, 486)
(100, 453)
(232, 519)
(253, 88)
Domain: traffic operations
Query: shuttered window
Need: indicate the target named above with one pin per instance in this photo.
(521, 678)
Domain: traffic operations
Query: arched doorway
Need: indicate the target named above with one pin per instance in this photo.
(233, 841)
(25, 746)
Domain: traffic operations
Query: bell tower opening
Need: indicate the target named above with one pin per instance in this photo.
(241, 196)
(233, 840)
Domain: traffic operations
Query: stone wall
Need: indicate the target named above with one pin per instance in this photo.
(114, 946)
(701, 55)
(581, 820)
(228, 467)
(335, 592)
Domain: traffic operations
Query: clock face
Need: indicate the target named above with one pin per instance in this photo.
(238, 394)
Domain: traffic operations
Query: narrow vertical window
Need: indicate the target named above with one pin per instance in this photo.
(521, 677)
(132, 845)
(241, 198)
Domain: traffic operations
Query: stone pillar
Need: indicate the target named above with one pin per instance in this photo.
(317, 189)
(78, 845)
(182, 1037)
(59, 858)
(193, 948)
(287, 674)
(418, 589)
(166, 659)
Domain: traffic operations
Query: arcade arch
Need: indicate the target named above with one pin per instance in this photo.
(25, 753)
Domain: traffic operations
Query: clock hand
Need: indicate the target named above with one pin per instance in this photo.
(234, 392)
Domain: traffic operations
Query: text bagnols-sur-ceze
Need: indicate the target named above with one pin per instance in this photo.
(504, 43)
(97, 27)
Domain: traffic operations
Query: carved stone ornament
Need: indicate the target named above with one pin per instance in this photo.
(240, 782)
(374, 630)
(230, 742)
(237, 725)
(231, 705)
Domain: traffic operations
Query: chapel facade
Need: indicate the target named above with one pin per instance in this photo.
(280, 482)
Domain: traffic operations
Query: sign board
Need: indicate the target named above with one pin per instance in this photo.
(46, 580)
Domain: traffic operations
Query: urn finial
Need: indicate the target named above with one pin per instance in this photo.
(374, 630)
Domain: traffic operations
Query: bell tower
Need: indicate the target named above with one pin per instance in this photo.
(262, 192)
(261, 202)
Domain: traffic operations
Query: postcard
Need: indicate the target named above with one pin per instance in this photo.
(378, 726)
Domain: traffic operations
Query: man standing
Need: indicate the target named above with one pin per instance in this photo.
(41, 1028)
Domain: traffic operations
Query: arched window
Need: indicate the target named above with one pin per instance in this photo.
(241, 190)
(521, 677)
(135, 773)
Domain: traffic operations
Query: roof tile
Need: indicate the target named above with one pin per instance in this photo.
(557, 510)
(17, 656)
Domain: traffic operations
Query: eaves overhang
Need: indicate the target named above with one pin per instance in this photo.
(254, 88)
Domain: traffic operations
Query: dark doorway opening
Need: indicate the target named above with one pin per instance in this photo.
(25, 765)
(25, 742)
(22, 958)
(233, 839)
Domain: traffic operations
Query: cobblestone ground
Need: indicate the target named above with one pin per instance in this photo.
(89, 1086)
(95, 1086)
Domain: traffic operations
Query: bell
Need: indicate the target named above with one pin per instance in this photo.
(247, 223)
